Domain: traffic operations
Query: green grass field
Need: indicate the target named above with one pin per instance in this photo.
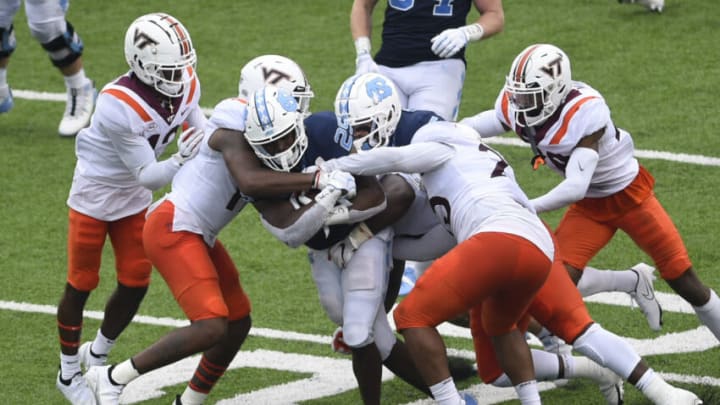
(658, 73)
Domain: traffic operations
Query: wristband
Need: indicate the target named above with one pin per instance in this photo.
(362, 45)
(473, 32)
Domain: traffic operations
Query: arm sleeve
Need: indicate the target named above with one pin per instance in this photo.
(578, 174)
(485, 123)
(138, 156)
(343, 214)
(414, 158)
(302, 229)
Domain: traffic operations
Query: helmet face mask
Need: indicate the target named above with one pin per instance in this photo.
(539, 81)
(369, 104)
(275, 129)
(160, 53)
(278, 71)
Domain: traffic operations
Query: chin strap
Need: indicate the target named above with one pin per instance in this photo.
(529, 135)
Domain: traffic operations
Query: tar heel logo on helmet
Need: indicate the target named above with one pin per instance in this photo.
(284, 99)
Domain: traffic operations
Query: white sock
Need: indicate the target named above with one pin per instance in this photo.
(69, 365)
(192, 397)
(709, 314)
(3, 77)
(653, 386)
(445, 392)
(608, 350)
(594, 281)
(124, 372)
(547, 365)
(77, 80)
(101, 346)
(528, 393)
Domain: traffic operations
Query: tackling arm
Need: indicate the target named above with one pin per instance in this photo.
(578, 174)
(486, 124)
(414, 158)
(250, 175)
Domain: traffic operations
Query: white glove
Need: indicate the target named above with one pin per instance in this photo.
(188, 145)
(452, 40)
(364, 63)
(337, 179)
(340, 213)
(341, 252)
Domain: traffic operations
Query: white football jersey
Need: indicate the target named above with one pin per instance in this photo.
(583, 113)
(128, 131)
(204, 193)
(476, 191)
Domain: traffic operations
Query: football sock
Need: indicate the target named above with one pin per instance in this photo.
(101, 346)
(594, 281)
(69, 366)
(528, 392)
(709, 314)
(3, 77)
(76, 80)
(192, 397)
(445, 392)
(124, 372)
(205, 377)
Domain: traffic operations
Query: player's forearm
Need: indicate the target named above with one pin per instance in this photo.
(414, 158)
(492, 17)
(361, 18)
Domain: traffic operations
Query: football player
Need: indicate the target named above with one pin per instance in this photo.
(46, 19)
(351, 294)
(472, 191)
(568, 125)
(138, 116)
(181, 240)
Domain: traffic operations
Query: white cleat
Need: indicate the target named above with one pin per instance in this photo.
(76, 390)
(644, 295)
(6, 99)
(679, 396)
(106, 391)
(78, 110)
(652, 5)
(611, 386)
(88, 358)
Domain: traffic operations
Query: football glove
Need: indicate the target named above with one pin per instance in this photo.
(188, 145)
(341, 252)
(452, 40)
(337, 179)
(364, 63)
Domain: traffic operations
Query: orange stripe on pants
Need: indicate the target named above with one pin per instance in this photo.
(203, 279)
(495, 273)
(86, 237)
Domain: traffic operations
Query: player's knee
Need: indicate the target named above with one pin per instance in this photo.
(135, 274)
(385, 343)
(83, 280)
(63, 47)
(583, 344)
(7, 41)
(357, 335)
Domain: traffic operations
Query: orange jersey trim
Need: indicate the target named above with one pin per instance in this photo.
(566, 120)
(131, 102)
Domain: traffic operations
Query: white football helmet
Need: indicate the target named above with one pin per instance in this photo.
(538, 82)
(278, 71)
(369, 101)
(159, 51)
(274, 128)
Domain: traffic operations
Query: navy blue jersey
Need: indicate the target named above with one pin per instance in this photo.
(410, 122)
(327, 141)
(410, 24)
